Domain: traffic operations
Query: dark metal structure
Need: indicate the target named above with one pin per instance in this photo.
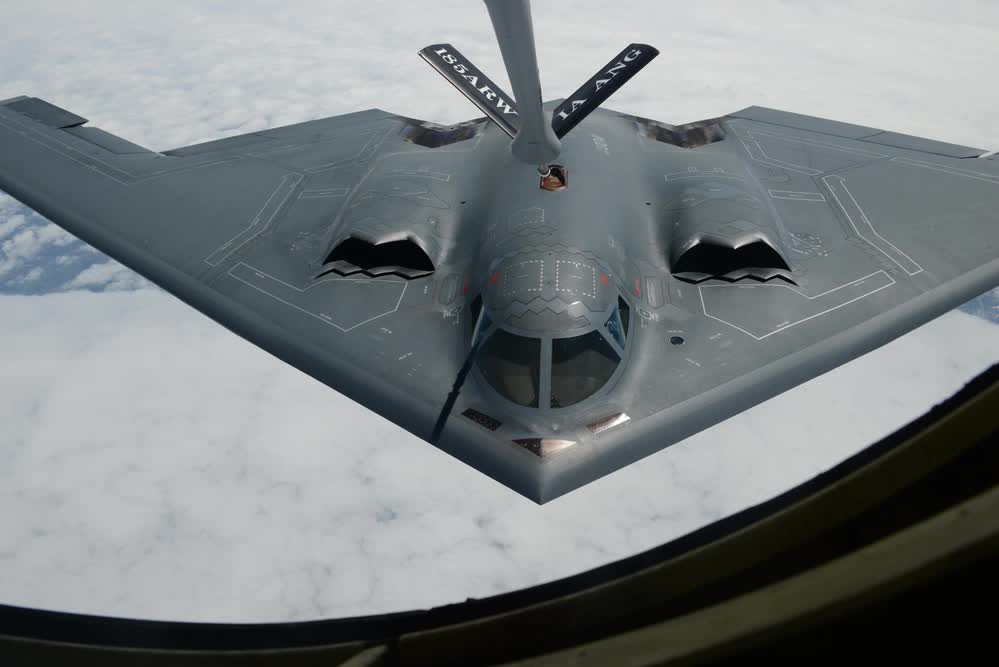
(661, 279)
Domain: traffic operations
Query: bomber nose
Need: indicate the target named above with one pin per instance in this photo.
(548, 291)
(552, 331)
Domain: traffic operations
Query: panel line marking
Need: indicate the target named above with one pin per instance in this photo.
(288, 182)
(954, 171)
(797, 196)
(46, 140)
(329, 192)
(786, 326)
(569, 290)
(867, 222)
(694, 173)
(818, 144)
(760, 156)
(324, 320)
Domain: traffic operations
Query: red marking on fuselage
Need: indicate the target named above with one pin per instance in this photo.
(493, 279)
(604, 280)
(638, 292)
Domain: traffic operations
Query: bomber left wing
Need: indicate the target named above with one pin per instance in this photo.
(240, 229)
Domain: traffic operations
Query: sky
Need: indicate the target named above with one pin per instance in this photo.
(157, 466)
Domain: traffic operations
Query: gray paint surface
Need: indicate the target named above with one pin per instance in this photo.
(877, 239)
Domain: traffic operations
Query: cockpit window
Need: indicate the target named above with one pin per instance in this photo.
(512, 365)
(580, 366)
(476, 308)
(617, 323)
(615, 328)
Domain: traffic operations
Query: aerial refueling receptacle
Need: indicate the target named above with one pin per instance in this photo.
(554, 177)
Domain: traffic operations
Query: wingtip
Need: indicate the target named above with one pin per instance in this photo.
(11, 100)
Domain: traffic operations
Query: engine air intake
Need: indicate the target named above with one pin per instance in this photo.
(403, 258)
(756, 259)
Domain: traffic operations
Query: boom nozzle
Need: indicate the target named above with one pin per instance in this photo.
(535, 142)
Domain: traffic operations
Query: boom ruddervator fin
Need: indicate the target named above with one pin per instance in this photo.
(473, 84)
(536, 140)
(601, 85)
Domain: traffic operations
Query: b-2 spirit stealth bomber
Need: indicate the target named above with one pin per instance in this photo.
(551, 308)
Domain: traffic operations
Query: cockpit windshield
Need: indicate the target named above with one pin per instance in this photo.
(512, 365)
(580, 366)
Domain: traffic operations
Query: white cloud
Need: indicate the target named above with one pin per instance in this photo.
(158, 466)
(155, 465)
(32, 275)
(13, 216)
(170, 74)
(10, 225)
(23, 246)
(109, 276)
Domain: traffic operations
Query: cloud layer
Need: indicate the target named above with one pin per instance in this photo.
(158, 466)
